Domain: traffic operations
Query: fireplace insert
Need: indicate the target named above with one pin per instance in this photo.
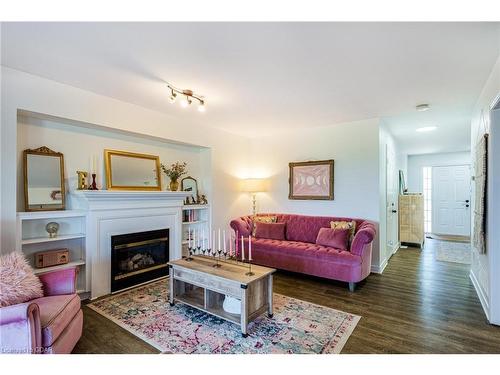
(138, 257)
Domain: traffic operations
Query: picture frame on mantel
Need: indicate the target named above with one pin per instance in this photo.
(311, 180)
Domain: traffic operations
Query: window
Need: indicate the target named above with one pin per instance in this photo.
(427, 190)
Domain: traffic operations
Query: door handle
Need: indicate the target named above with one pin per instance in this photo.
(466, 201)
(466, 205)
(394, 211)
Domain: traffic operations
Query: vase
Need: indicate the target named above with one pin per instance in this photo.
(174, 185)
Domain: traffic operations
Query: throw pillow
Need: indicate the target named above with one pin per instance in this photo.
(337, 238)
(18, 283)
(351, 225)
(262, 219)
(272, 231)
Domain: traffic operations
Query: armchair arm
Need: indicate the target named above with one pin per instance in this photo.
(20, 328)
(242, 225)
(364, 236)
(59, 282)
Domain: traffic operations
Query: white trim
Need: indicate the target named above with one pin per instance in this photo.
(379, 268)
(481, 294)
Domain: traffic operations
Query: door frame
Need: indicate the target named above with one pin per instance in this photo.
(433, 205)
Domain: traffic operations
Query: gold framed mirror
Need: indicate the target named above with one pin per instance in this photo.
(132, 171)
(43, 180)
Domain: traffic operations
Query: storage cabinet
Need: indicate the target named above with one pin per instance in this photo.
(411, 219)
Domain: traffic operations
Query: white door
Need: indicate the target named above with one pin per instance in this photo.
(451, 200)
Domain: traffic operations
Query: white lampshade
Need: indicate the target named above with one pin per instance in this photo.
(254, 185)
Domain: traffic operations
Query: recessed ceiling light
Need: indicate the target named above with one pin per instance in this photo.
(426, 129)
(422, 107)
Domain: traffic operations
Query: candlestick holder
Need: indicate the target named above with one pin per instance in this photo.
(93, 185)
(249, 273)
(190, 250)
(217, 258)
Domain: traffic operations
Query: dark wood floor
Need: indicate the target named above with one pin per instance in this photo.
(418, 305)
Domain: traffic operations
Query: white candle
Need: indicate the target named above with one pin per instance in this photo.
(219, 241)
(224, 239)
(94, 166)
(249, 247)
(213, 242)
(194, 237)
(242, 249)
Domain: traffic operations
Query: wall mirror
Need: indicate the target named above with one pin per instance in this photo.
(191, 185)
(43, 180)
(131, 171)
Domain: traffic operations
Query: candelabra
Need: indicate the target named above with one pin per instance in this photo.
(191, 249)
(217, 258)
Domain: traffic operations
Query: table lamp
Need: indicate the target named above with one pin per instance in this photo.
(254, 186)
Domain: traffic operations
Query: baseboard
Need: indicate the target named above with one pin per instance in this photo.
(379, 268)
(396, 248)
(481, 294)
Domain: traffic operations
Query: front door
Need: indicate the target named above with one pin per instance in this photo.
(451, 200)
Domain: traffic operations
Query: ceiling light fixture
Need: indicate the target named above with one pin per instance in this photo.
(422, 107)
(188, 96)
(426, 129)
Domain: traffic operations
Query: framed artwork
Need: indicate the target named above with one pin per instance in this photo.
(311, 180)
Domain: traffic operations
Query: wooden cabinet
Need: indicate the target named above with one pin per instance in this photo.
(411, 219)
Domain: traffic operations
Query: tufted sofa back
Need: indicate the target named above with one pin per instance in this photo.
(304, 228)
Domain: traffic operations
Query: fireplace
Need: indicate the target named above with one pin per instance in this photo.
(138, 257)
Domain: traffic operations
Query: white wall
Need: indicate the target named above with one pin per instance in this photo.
(355, 149)
(417, 162)
(80, 144)
(22, 91)
(484, 267)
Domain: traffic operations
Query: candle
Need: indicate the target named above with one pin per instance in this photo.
(250, 247)
(242, 249)
(230, 244)
(194, 238)
(219, 241)
(94, 164)
(213, 242)
(224, 240)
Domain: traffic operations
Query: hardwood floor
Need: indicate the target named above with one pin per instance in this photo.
(418, 305)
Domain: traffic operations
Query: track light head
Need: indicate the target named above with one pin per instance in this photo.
(186, 102)
(173, 97)
(201, 106)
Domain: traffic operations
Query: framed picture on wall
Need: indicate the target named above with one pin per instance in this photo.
(311, 180)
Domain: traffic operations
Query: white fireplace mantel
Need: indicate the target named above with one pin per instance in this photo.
(111, 213)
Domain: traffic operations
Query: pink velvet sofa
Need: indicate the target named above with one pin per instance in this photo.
(300, 253)
(50, 324)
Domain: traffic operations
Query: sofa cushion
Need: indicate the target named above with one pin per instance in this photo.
(342, 224)
(305, 250)
(336, 238)
(274, 231)
(262, 219)
(56, 312)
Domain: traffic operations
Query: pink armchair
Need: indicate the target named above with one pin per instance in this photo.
(50, 324)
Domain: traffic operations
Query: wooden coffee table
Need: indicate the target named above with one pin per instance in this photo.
(199, 284)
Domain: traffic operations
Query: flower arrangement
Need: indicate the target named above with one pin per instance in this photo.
(175, 171)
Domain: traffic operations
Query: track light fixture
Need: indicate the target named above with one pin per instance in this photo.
(187, 97)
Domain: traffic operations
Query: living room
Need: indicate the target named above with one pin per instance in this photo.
(166, 194)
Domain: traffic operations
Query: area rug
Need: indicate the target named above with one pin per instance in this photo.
(455, 252)
(296, 327)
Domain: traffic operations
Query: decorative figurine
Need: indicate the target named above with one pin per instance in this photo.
(93, 185)
(82, 183)
(204, 199)
(52, 229)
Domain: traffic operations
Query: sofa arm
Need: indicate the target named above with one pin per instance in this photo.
(364, 236)
(59, 282)
(20, 329)
(242, 225)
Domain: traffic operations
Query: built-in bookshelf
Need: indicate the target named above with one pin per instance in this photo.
(32, 237)
(195, 217)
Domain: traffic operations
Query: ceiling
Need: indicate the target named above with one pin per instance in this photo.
(263, 77)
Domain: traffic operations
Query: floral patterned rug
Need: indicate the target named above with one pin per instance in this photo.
(296, 327)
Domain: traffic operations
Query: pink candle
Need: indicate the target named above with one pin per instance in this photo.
(250, 247)
(230, 244)
(242, 249)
